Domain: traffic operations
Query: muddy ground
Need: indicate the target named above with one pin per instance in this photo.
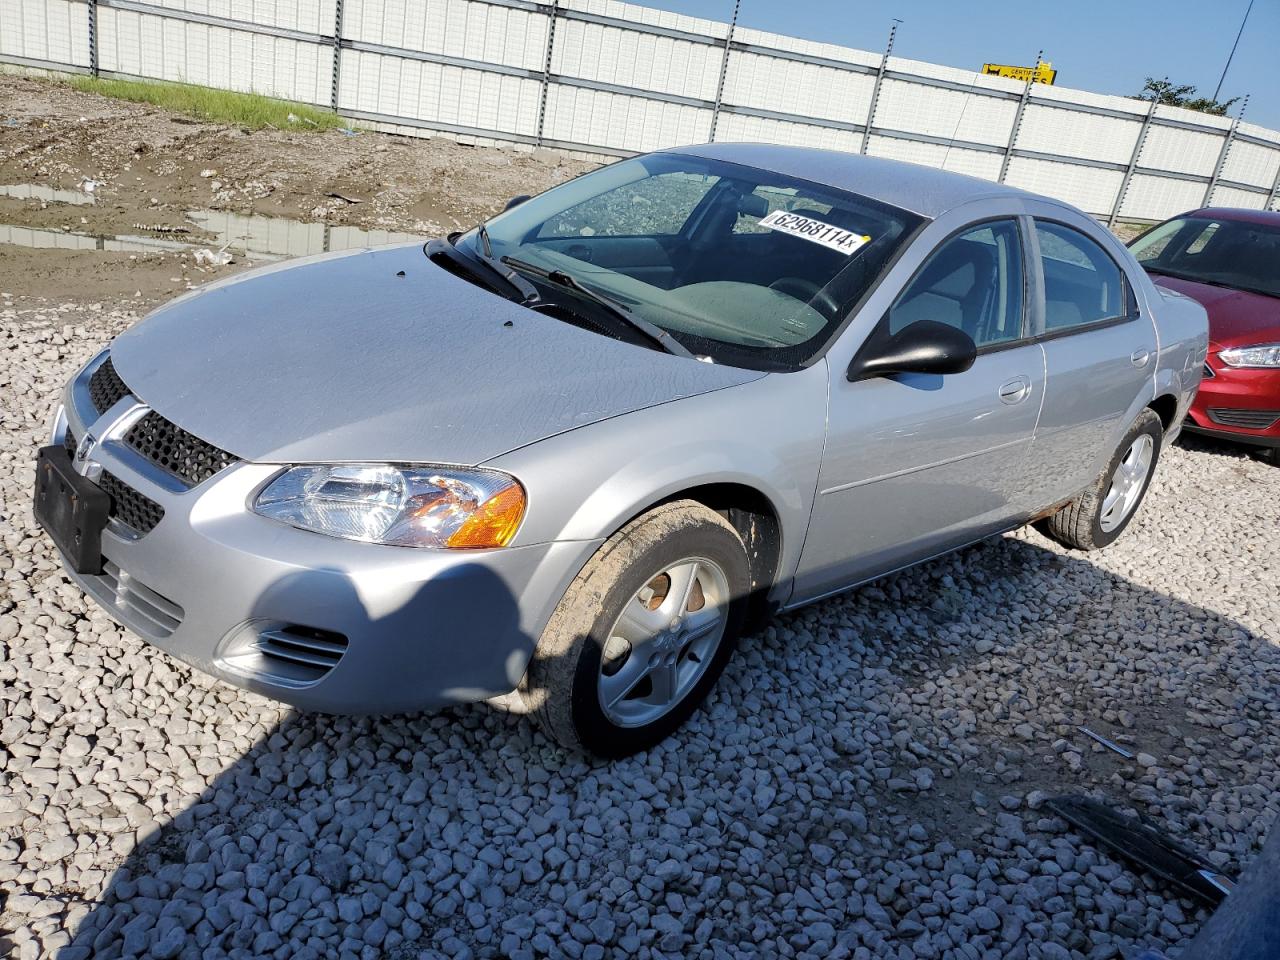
(135, 170)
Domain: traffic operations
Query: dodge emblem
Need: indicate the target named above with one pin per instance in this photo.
(83, 448)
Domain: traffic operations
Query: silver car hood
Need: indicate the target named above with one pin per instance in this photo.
(384, 356)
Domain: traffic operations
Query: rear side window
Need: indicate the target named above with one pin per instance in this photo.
(1082, 284)
(973, 281)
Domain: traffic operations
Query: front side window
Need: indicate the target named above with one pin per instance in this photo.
(738, 264)
(1204, 249)
(974, 281)
(1082, 284)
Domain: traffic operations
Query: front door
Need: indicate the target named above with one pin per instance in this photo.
(917, 464)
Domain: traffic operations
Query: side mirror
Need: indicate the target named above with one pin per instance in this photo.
(925, 346)
(515, 201)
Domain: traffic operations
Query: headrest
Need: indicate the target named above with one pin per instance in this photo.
(752, 205)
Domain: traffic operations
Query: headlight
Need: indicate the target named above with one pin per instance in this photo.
(402, 506)
(1261, 355)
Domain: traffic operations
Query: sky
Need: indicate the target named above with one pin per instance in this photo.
(1106, 46)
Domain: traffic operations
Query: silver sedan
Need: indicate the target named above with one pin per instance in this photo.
(568, 457)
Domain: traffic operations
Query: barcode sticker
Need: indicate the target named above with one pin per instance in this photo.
(836, 238)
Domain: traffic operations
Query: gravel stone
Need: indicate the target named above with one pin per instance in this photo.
(868, 779)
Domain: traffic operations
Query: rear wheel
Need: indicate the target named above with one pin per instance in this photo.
(1099, 515)
(642, 634)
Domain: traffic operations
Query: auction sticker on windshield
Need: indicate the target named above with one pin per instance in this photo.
(837, 238)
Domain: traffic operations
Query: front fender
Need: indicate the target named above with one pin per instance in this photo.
(585, 484)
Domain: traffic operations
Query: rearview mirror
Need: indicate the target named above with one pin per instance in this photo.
(925, 346)
(516, 201)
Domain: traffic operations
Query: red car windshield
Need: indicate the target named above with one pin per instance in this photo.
(1205, 249)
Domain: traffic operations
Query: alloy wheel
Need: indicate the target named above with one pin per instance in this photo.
(663, 641)
(1127, 483)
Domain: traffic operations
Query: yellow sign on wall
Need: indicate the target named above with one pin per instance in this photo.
(1041, 73)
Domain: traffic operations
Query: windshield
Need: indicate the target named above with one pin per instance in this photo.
(736, 264)
(1228, 253)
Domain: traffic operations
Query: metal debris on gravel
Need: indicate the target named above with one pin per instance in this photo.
(866, 781)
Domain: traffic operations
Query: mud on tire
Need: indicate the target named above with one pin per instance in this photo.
(560, 688)
(1079, 523)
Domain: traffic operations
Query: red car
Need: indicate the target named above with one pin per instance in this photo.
(1229, 261)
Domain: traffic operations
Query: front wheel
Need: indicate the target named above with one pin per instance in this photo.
(642, 634)
(1099, 515)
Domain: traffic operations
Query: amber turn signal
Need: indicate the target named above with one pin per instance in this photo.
(494, 522)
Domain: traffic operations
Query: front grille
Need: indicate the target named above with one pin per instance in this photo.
(173, 449)
(1208, 372)
(105, 387)
(138, 605)
(69, 443)
(130, 507)
(1246, 419)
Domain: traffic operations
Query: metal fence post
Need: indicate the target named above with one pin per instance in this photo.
(1017, 118)
(1275, 193)
(1222, 155)
(724, 67)
(337, 54)
(875, 90)
(1133, 164)
(93, 37)
(546, 66)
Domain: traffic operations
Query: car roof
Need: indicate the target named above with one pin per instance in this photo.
(1242, 214)
(927, 191)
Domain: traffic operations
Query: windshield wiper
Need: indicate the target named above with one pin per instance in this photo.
(612, 307)
(527, 290)
(1207, 281)
(468, 261)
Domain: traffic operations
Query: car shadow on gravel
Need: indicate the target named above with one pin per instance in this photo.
(1201, 443)
(854, 751)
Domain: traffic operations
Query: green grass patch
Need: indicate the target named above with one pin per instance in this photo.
(250, 110)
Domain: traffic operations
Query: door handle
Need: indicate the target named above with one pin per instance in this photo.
(1140, 357)
(1016, 390)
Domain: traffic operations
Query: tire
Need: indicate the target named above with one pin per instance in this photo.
(1270, 455)
(566, 685)
(1081, 524)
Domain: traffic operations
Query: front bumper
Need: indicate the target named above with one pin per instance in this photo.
(1237, 403)
(324, 624)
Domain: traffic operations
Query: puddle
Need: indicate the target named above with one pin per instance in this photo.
(42, 239)
(255, 238)
(34, 191)
(277, 238)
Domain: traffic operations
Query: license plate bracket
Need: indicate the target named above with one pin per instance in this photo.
(72, 509)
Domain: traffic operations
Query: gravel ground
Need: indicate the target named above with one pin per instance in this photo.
(867, 780)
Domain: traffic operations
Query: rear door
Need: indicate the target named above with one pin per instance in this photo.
(1100, 355)
(917, 464)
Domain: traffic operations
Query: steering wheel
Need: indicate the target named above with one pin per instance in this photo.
(808, 291)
